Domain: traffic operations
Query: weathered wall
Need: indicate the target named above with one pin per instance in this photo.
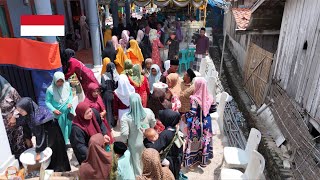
(298, 57)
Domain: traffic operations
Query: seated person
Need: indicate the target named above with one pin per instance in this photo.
(125, 170)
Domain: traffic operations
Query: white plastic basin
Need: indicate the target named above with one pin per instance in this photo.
(28, 157)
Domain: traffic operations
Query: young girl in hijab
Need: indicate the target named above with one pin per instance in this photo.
(152, 168)
(109, 82)
(121, 97)
(140, 84)
(156, 44)
(120, 59)
(46, 129)
(199, 126)
(105, 63)
(94, 100)
(134, 53)
(154, 76)
(174, 89)
(87, 123)
(133, 123)
(170, 120)
(72, 65)
(98, 162)
(59, 101)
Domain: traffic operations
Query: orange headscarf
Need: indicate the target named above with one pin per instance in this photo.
(120, 58)
(105, 62)
(135, 50)
(175, 82)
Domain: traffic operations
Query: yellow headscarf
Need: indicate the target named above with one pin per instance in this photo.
(120, 58)
(135, 49)
(105, 62)
(107, 36)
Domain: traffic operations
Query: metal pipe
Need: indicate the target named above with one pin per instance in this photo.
(222, 54)
(43, 7)
(94, 32)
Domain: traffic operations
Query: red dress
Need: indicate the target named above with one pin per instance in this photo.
(117, 104)
(156, 44)
(84, 74)
(142, 89)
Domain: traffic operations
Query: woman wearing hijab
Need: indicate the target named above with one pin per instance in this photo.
(109, 51)
(94, 100)
(87, 123)
(147, 69)
(127, 67)
(174, 89)
(199, 139)
(124, 39)
(140, 35)
(133, 123)
(145, 46)
(140, 84)
(109, 82)
(59, 101)
(107, 36)
(72, 65)
(115, 42)
(98, 162)
(170, 120)
(46, 129)
(105, 63)
(120, 59)
(121, 97)
(8, 99)
(154, 76)
(134, 53)
(152, 168)
(84, 30)
(156, 44)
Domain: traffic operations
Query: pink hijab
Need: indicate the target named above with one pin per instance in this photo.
(115, 42)
(201, 95)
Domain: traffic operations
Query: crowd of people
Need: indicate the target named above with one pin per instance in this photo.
(164, 119)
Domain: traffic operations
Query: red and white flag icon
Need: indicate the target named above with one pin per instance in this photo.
(42, 25)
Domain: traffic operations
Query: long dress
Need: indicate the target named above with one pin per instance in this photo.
(135, 137)
(15, 135)
(198, 147)
(108, 86)
(62, 106)
(84, 74)
(173, 49)
(142, 89)
(156, 44)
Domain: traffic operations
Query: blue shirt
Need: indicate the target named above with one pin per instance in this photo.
(125, 170)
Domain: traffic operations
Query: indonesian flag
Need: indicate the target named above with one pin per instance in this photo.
(42, 25)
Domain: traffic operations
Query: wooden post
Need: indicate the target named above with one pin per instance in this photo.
(205, 13)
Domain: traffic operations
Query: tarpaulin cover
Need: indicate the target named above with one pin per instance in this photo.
(42, 59)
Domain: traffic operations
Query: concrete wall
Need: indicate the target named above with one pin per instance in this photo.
(16, 9)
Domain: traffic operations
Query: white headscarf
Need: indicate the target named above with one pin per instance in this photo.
(60, 94)
(153, 34)
(124, 90)
(140, 36)
(154, 79)
(167, 65)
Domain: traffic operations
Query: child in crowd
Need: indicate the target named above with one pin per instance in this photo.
(152, 136)
(125, 170)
